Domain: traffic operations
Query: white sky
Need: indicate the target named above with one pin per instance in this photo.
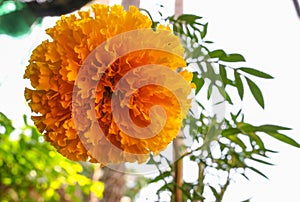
(267, 34)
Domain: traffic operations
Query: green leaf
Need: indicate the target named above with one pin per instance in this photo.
(261, 161)
(259, 172)
(160, 176)
(271, 128)
(256, 92)
(239, 84)
(238, 141)
(230, 131)
(284, 139)
(222, 91)
(223, 74)
(204, 31)
(209, 42)
(233, 58)
(209, 91)
(6, 123)
(215, 192)
(217, 54)
(245, 127)
(35, 134)
(258, 141)
(189, 18)
(255, 72)
(228, 99)
(199, 82)
(151, 160)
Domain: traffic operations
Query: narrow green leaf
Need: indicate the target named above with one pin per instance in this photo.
(209, 91)
(215, 192)
(223, 74)
(271, 128)
(228, 99)
(6, 123)
(35, 134)
(257, 171)
(25, 120)
(222, 91)
(235, 57)
(257, 140)
(168, 186)
(230, 131)
(200, 105)
(239, 84)
(238, 141)
(256, 92)
(204, 31)
(284, 139)
(209, 42)
(261, 161)
(160, 177)
(243, 174)
(246, 127)
(175, 28)
(189, 18)
(255, 72)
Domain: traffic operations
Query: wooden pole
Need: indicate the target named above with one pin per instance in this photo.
(127, 3)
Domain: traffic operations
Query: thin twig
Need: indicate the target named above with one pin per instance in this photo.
(297, 7)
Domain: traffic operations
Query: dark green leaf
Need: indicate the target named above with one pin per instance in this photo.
(160, 177)
(284, 139)
(255, 72)
(215, 192)
(232, 58)
(239, 84)
(189, 18)
(259, 172)
(165, 187)
(243, 174)
(261, 161)
(228, 99)
(256, 92)
(217, 53)
(209, 42)
(204, 31)
(247, 200)
(223, 74)
(199, 82)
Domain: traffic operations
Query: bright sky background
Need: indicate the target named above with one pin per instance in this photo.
(266, 32)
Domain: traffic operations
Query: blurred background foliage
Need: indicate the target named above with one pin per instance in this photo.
(31, 169)
(18, 17)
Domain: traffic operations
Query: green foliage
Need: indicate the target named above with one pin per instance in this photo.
(229, 146)
(16, 18)
(32, 170)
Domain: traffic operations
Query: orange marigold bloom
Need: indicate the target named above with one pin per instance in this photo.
(62, 89)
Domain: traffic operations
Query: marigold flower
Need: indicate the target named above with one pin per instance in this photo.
(62, 88)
